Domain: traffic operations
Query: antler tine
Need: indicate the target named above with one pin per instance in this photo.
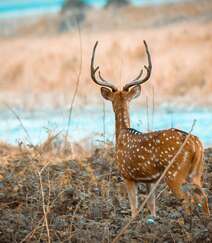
(101, 82)
(138, 81)
(100, 76)
(139, 75)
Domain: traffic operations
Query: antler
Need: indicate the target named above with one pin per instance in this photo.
(102, 81)
(137, 80)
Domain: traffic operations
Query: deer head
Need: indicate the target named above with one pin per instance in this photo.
(120, 98)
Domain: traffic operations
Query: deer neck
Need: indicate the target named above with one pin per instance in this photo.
(122, 120)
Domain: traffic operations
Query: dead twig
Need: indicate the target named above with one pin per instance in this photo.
(77, 83)
(147, 114)
(103, 121)
(43, 204)
(153, 107)
(73, 216)
(31, 233)
(21, 123)
(165, 188)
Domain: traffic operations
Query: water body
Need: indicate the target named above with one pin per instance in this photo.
(14, 8)
(90, 123)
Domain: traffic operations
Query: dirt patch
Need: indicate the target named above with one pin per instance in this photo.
(84, 200)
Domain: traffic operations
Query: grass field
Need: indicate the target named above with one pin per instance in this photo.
(62, 191)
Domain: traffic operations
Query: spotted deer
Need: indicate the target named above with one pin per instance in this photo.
(142, 157)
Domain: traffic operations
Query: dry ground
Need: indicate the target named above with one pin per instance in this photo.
(84, 199)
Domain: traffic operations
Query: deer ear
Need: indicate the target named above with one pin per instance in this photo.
(134, 92)
(106, 93)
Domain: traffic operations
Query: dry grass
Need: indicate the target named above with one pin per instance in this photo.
(46, 195)
(41, 70)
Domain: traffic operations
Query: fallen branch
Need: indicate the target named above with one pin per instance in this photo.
(44, 206)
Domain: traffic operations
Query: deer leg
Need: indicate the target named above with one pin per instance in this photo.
(198, 194)
(151, 201)
(180, 191)
(200, 198)
(176, 179)
(132, 194)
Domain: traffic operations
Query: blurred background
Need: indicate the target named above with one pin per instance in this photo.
(45, 51)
